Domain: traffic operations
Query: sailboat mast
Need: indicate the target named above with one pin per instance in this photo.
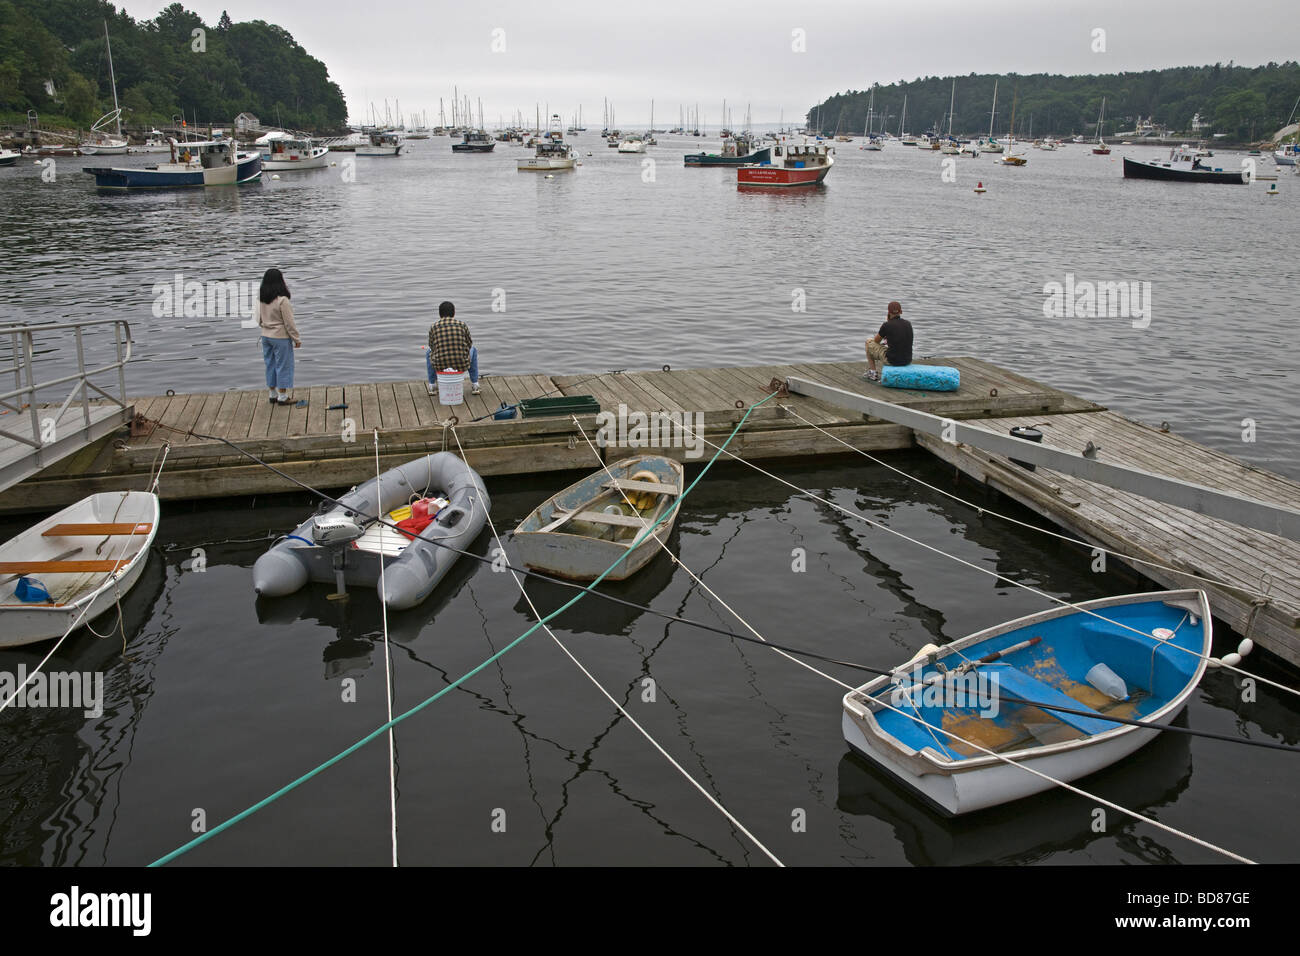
(993, 112)
(112, 79)
(902, 120)
(952, 101)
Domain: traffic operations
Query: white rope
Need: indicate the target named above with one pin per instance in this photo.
(1214, 661)
(695, 577)
(1025, 524)
(388, 666)
(117, 563)
(1061, 783)
(644, 733)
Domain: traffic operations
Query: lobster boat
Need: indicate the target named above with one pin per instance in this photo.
(959, 725)
(380, 143)
(587, 527)
(75, 565)
(430, 506)
(793, 165)
(210, 163)
(1182, 167)
(281, 151)
(474, 141)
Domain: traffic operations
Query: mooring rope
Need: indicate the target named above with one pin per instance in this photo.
(1026, 524)
(1209, 659)
(321, 768)
(621, 709)
(388, 665)
(1061, 783)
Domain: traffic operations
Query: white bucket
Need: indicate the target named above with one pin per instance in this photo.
(451, 387)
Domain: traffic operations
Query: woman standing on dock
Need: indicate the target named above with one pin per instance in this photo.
(275, 319)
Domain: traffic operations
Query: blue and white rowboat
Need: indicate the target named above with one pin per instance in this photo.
(1156, 643)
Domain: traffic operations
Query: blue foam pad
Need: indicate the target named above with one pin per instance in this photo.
(926, 378)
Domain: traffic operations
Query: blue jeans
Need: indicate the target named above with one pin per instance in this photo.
(278, 356)
(433, 372)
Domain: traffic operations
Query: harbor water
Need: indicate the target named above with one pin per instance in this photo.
(218, 699)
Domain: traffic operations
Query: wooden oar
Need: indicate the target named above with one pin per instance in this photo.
(998, 655)
(58, 557)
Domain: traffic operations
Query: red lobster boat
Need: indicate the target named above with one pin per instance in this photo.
(793, 165)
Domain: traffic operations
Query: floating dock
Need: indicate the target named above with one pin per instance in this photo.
(334, 447)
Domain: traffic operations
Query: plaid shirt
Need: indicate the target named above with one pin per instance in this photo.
(449, 341)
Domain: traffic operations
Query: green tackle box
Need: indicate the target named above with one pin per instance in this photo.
(565, 405)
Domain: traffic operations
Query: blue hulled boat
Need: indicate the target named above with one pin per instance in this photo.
(1032, 693)
(208, 163)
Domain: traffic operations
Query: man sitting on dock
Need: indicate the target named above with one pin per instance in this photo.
(897, 348)
(451, 347)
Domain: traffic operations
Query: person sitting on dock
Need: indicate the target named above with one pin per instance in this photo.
(896, 334)
(451, 347)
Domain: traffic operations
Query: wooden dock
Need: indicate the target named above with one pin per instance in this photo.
(334, 447)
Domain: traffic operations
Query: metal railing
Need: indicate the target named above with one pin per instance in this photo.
(23, 397)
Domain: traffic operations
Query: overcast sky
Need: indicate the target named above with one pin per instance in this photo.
(678, 52)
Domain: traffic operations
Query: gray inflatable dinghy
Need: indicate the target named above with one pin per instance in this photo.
(343, 545)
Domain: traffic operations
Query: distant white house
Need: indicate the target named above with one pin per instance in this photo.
(246, 122)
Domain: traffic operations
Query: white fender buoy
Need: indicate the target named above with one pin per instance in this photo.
(550, 175)
(1245, 647)
(1230, 660)
(275, 175)
(333, 164)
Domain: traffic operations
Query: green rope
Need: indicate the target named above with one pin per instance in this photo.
(379, 731)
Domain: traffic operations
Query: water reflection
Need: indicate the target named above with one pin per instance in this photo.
(1033, 829)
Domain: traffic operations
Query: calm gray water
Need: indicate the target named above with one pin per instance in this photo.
(222, 699)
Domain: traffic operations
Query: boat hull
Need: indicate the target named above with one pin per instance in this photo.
(534, 164)
(774, 177)
(473, 147)
(581, 557)
(757, 157)
(318, 161)
(91, 592)
(378, 150)
(1165, 172)
(409, 574)
(176, 176)
(965, 783)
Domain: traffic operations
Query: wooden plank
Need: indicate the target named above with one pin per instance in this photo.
(59, 567)
(241, 422)
(629, 484)
(260, 420)
(317, 401)
(599, 517)
(97, 529)
(405, 404)
(221, 424)
(334, 395)
(370, 418)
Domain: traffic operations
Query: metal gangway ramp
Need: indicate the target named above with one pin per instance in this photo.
(45, 419)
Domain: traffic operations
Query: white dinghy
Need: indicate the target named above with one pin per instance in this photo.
(74, 566)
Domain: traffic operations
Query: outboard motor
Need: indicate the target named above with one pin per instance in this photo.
(335, 528)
